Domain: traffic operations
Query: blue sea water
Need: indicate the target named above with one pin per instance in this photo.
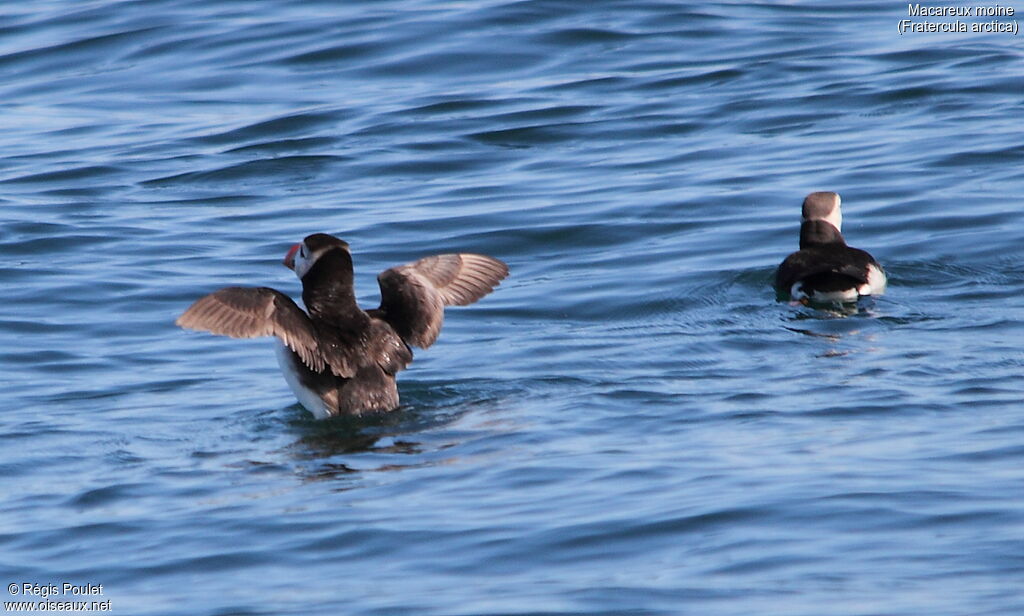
(630, 424)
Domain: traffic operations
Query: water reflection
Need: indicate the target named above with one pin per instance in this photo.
(415, 436)
(327, 454)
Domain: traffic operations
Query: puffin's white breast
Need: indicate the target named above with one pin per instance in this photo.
(876, 280)
(307, 397)
(842, 296)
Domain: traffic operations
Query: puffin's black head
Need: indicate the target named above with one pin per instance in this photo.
(823, 206)
(302, 256)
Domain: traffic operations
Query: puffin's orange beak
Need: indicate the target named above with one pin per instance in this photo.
(289, 259)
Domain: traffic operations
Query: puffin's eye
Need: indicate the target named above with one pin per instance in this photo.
(302, 251)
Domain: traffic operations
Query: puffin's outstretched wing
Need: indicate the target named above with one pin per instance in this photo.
(413, 296)
(251, 312)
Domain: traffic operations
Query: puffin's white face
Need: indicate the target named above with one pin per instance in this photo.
(299, 259)
(835, 217)
(824, 206)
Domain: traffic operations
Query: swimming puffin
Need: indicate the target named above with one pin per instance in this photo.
(825, 269)
(339, 359)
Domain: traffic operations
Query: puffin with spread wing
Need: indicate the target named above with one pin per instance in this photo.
(339, 359)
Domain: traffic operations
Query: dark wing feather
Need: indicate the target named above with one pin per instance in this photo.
(244, 312)
(858, 261)
(843, 260)
(413, 296)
